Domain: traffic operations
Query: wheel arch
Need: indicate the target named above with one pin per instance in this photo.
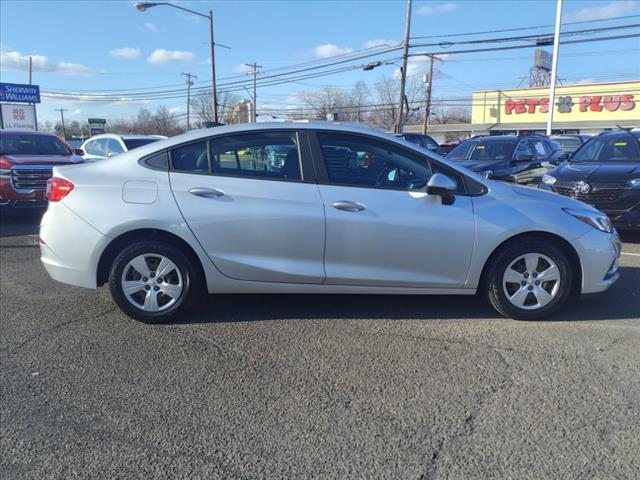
(127, 238)
(572, 254)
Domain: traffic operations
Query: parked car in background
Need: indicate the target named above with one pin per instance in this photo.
(507, 157)
(569, 143)
(446, 147)
(424, 141)
(605, 173)
(107, 145)
(168, 221)
(26, 162)
(75, 142)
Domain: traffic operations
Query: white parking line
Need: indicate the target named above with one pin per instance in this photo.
(632, 254)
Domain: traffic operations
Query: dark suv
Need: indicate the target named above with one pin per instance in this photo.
(424, 141)
(507, 157)
(605, 173)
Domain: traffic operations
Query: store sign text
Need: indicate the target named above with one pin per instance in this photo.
(565, 104)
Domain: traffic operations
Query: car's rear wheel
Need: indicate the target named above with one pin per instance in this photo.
(529, 279)
(154, 282)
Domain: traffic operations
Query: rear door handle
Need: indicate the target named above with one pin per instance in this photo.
(206, 192)
(348, 206)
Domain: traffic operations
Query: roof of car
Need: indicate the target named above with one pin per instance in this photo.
(620, 132)
(32, 132)
(126, 136)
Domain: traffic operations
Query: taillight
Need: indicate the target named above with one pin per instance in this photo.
(58, 188)
(5, 168)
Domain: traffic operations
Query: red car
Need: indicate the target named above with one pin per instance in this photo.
(26, 161)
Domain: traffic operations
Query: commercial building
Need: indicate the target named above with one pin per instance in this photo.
(583, 108)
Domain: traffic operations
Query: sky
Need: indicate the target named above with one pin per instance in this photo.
(96, 46)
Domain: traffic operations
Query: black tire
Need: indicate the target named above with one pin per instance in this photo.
(492, 285)
(189, 270)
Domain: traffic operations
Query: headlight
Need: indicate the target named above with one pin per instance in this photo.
(548, 179)
(487, 173)
(634, 182)
(597, 220)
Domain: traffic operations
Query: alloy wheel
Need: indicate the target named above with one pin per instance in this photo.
(531, 281)
(152, 282)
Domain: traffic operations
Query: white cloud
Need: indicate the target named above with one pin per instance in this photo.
(601, 12)
(152, 27)
(379, 42)
(587, 80)
(161, 56)
(125, 52)
(330, 50)
(17, 61)
(240, 68)
(438, 8)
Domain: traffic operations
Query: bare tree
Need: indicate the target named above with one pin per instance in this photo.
(359, 99)
(321, 103)
(201, 107)
(166, 123)
(442, 115)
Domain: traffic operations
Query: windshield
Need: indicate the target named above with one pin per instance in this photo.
(618, 148)
(30, 144)
(569, 144)
(483, 150)
(138, 142)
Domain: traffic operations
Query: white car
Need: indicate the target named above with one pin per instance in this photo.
(107, 145)
(349, 210)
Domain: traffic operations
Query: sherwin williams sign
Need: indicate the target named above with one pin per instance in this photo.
(16, 92)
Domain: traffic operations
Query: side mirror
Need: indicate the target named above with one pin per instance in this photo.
(523, 157)
(564, 156)
(442, 186)
(79, 151)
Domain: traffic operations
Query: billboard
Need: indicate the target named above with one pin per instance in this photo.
(18, 117)
(17, 92)
(97, 126)
(542, 59)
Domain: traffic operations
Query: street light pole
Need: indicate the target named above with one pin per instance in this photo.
(214, 91)
(554, 67)
(64, 130)
(143, 6)
(403, 70)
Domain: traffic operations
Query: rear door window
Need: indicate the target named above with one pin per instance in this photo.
(261, 155)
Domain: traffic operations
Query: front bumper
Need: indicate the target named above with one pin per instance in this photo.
(599, 257)
(9, 198)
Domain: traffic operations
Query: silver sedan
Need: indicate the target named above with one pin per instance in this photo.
(346, 210)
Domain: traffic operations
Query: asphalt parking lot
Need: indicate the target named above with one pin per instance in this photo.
(313, 386)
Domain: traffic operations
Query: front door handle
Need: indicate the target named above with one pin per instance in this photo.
(206, 192)
(348, 206)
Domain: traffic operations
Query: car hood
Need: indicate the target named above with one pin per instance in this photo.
(42, 159)
(596, 172)
(482, 165)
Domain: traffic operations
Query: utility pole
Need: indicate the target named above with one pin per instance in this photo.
(189, 83)
(427, 110)
(403, 70)
(64, 130)
(30, 68)
(214, 93)
(254, 71)
(554, 66)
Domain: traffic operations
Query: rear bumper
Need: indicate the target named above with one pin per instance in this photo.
(70, 248)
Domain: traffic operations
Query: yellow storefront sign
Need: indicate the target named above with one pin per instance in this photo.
(604, 101)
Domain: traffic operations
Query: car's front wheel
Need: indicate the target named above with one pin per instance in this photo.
(529, 280)
(154, 282)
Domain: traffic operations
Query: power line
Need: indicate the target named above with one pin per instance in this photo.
(519, 29)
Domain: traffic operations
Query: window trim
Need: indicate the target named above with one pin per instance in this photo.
(322, 176)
